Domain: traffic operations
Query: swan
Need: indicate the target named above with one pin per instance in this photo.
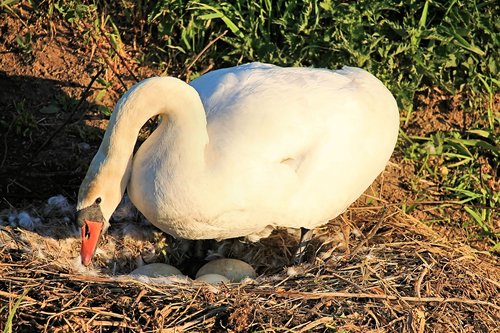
(240, 151)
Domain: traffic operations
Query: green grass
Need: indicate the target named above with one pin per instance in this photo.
(12, 308)
(454, 162)
(24, 122)
(412, 46)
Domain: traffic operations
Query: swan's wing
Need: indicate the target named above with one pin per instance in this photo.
(261, 111)
(270, 113)
(315, 136)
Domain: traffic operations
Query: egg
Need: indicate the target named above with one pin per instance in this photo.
(156, 270)
(235, 270)
(213, 278)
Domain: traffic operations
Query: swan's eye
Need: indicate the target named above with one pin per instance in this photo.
(98, 200)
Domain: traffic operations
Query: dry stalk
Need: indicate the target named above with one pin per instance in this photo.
(406, 279)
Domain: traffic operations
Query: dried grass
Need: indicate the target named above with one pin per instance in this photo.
(389, 273)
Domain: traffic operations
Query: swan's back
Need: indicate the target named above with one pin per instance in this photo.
(275, 111)
(299, 144)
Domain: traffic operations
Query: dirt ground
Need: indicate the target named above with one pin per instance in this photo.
(50, 130)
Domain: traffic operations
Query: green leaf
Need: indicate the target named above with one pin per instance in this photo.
(466, 45)
(423, 17)
(100, 95)
(210, 16)
(481, 133)
(218, 14)
(50, 109)
(8, 2)
(10, 318)
(479, 220)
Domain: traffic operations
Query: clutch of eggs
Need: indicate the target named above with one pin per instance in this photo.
(213, 272)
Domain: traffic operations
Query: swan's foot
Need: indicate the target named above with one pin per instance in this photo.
(305, 237)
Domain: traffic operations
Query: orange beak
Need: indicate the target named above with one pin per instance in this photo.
(91, 231)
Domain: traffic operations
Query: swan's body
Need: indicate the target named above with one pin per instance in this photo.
(248, 149)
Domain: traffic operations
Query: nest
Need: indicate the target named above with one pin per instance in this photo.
(386, 272)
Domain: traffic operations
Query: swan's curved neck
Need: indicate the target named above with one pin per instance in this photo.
(179, 105)
(183, 124)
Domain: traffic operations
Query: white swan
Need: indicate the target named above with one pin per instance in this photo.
(241, 150)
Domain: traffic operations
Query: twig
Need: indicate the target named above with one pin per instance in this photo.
(68, 119)
(181, 328)
(370, 235)
(198, 56)
(138, 298)
(187, 308)
(119, 55)
(69, 324)
(15, 296)
(15, 182)
(116, 281)
(418, 283)
(422, 203)
(4, 4)
(105, 57)
(98, 310)
(208, 317)
(111, 323)
(111, 66)
(319, 295)
(311, 325)
(6, 146)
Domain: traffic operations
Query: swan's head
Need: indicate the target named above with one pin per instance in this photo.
(98, 198)
(92, 224)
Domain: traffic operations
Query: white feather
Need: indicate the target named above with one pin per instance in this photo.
(245, 149)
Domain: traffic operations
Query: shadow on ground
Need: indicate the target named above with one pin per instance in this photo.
(31, 111)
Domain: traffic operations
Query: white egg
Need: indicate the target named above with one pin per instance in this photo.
(156, 270)
(213, 278)
(235, 270)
